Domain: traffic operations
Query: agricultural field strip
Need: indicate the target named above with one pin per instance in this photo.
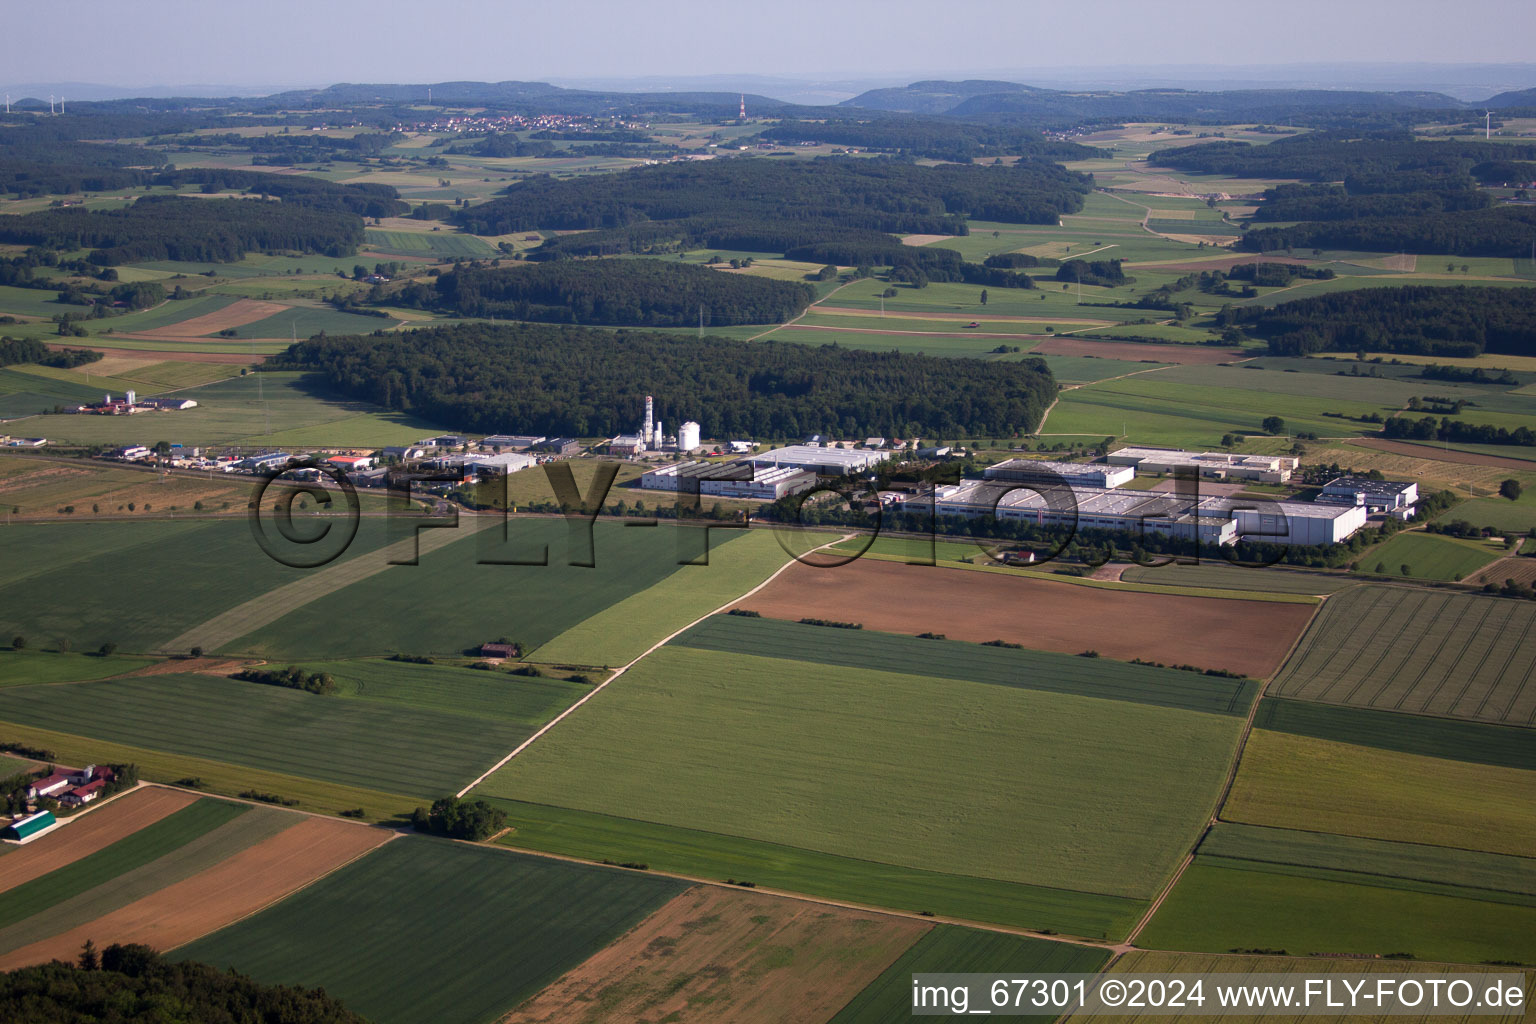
(81, 835)
(1218, 576)
(621, 670)
(243, 883)
(227, 627)
(1470, 870)
(949, 659)
(542, 917)
(191, 858)
(351, 742)
(704, 856)
(153, 841)
(858, 765)
(947, 949)
(1409, 650)
(1450, 739)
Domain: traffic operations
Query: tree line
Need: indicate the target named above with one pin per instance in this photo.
(929, 137)
(194, 230)
(591, 383)
(636, 292)
(1455, 321)
(1329, 156)
(1500, 231)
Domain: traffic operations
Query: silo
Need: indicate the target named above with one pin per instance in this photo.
(688, 436)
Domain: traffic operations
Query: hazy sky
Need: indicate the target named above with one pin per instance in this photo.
(306, 42)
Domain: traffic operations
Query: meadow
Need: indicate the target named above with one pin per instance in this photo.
(951, 950)
(349, 742)
(456, 689)
(1220, 908)
(18, 668)
(1428, 652)
(856, 763)
(436, 244)
(1428, 556)
(503, 927)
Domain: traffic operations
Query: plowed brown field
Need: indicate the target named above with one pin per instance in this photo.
(245, 883)
(96, 830)
(1251, 637)
(715, 955)
(236, 314)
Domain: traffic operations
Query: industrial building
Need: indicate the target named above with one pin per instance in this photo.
(1210, 520)
(818, 460)
(557, 446)
(730, 480)
(1394, 496)
(516, 442)
(1028, 471)
(1269, 469)
(485, 465)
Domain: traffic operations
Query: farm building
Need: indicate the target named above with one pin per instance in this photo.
(1375, 495)
(1026, 471)
(82, 795)
(516, 442)
(26, 442)
(499, 651)
(730, 480)
(168, 404)
(1270, 469)
(30, 827)
(51, 785)
(819, 460)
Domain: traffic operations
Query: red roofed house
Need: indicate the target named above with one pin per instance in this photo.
(51, 785)
(81, 795)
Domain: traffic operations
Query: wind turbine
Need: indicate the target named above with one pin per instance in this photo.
(1487, 124)
(7, 103)
(50, 103)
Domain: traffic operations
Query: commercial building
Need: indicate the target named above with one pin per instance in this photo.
(557, 446)
(1269, 469)
(1375, 495)
(1034, 471)
(515, 442)
(730, 480)
(262, 463)
(1209, 519)
(626, 445)
(818, 460)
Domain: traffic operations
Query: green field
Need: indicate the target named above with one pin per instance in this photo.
(1148, 962)
(1428, 652)
(57, 588)
(1221, 576)
(372, 745)
(952, 659)
(148, 844)
(1219, 908)
(855, 762)
(303, 322)
(1429, 556)
(951, 950)
(621, 632)
(257, 409)
(1481, 743)
(17, 668)
(1413, 866)
(442, 244)
(198, 842)
(453, 601)
(453, 688)
(707, 854)
(1499, 513)
(1301, 782)
(501, 926)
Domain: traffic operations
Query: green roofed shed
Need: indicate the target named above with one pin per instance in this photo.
(31, 825)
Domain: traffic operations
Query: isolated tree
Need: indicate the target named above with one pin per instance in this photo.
(1510, 489)
(983, 296)
(1273, 425)
(107, 649)
(18, 643)
(1228, 440)
(196, 652)
(88, 960)
(1404, 569)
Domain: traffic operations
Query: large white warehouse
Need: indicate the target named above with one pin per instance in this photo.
(731, 480)
(822, 461)
(1029, 471)
(1272, 469)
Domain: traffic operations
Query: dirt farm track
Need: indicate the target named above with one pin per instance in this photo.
(1251, 637)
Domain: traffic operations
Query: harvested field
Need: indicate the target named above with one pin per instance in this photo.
(236, 314)
(1426, 652)
(1221, 263)
(1136, 350)
(979, 316)
(93, 830)
(712, 954)
(1250, 637)
(1426, 451)
(925, 239)
(1521, 570)
(234, 889)
(109, 366)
